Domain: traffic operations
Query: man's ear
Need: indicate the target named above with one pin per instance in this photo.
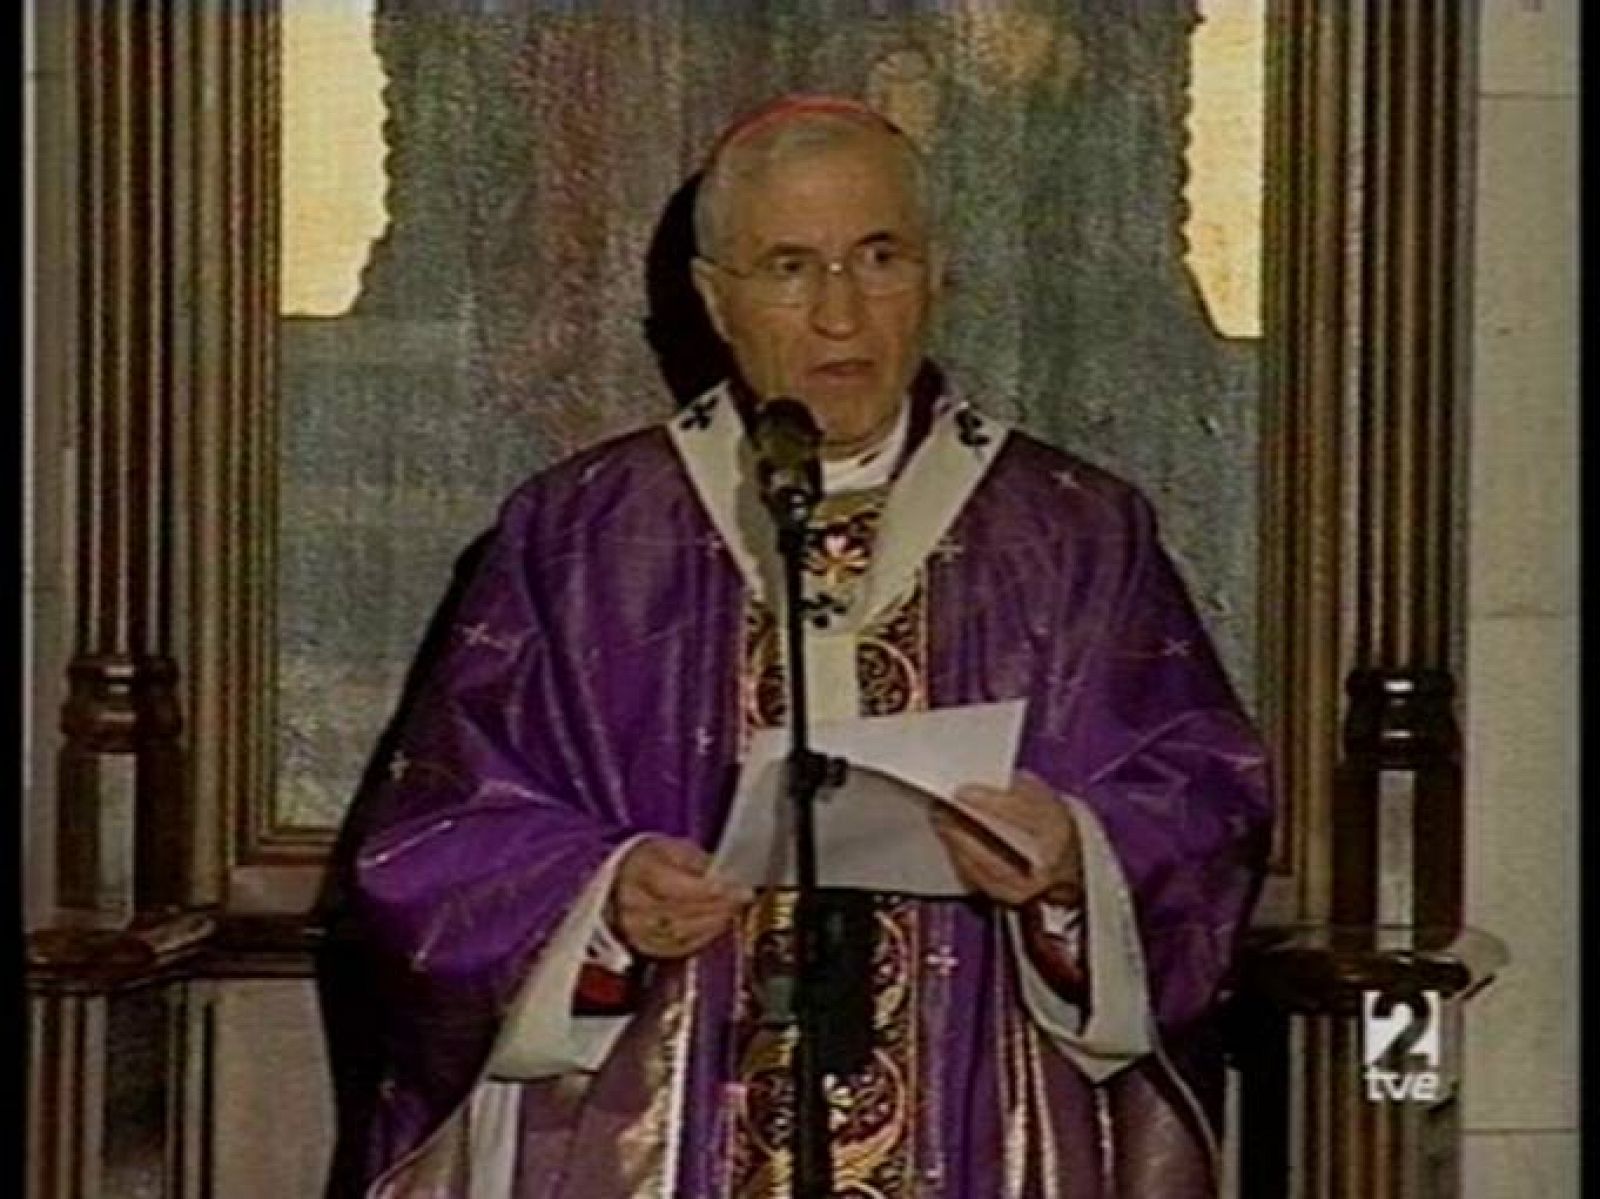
(708, 285)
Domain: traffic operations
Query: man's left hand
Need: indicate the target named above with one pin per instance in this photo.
(1032, 806)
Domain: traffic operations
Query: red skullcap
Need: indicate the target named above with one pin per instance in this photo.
(785, 108)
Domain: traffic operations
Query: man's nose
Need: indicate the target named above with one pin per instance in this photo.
(836, 310)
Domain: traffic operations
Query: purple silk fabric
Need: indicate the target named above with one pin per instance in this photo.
(589, 690)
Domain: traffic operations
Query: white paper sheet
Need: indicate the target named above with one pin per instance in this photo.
(873, 832)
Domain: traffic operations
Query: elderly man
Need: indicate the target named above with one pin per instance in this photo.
(569, 1001)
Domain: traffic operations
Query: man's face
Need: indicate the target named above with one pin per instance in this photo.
(847, 355)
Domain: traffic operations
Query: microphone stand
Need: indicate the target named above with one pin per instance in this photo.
(808, 773)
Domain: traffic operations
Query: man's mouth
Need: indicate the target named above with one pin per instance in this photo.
(844, 369)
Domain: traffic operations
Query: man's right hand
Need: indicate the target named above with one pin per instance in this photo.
(664, 904)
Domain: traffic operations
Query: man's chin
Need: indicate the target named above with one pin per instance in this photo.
(852, 435)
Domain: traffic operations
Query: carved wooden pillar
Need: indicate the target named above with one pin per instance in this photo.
(116, 1069)
(172, 136)
(66, 1082)
(1370, 176)
(1307, 213)
(122, 813)
(1399, 833)
(1316, 1122)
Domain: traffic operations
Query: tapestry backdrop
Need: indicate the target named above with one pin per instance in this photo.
(521, 290)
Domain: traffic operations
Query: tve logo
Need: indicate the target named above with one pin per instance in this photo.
(1401, 1030)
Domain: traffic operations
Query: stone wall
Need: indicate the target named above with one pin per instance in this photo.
(1520, 1105)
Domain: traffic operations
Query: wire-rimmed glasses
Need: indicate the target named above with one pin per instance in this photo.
(792, 276)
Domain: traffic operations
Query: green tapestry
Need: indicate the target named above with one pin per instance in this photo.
(505, 318)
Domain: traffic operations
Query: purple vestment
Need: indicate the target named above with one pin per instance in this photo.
(588, 690)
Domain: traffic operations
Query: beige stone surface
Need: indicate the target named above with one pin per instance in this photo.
(1522, 529)
(1520, 1166)
(1522, 870)
(274, 1099)
(1529, 47)
(1520, 1095)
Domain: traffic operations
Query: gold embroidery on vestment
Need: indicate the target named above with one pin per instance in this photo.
(1049, 1159)
(644, 1148)
(1013, 1093)
(871, 1113)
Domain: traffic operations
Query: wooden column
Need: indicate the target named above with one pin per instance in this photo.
(122, 845)
(117, 1071)
(66, 1085)
(174, 288)
(1366, 296)
(1399, 829)
(1369, 312)
(1307, 214)
(1315, 1121)
(171, 129)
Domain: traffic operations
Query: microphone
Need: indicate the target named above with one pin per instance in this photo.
(788, 472)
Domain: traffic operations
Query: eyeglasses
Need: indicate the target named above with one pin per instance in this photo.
(790, 278)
